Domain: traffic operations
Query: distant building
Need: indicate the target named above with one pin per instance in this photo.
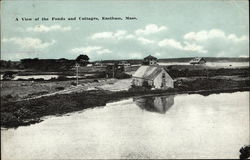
(198, 60)
(150, 60)
(113, 69)
(98, 64)
(124, 63)
(154, 76)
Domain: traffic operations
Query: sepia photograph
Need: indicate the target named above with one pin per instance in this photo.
(124, 79)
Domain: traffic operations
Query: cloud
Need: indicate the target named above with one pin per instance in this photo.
(90, 49)
(135, 55)
(204, 35)
(102, 35)
(85, 49)
(16, 55)
(150, 29)
(214, 42)
(123, 34)
(44, 28)
(212, 34)
(194, 47)
(118, 35)
(177, 45)
(129, 36)
(217, 43)
(145, 41)
(244, 56)
(29, 43)
(171, 43)
(103, 51)
(157, 54)
(234, 38)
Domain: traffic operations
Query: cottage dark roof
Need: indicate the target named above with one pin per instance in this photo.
(148, 72)
(150, 57)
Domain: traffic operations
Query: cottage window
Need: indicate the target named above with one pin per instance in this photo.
(163, 75)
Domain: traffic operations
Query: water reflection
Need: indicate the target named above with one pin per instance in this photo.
(196, 127)
(155, 104)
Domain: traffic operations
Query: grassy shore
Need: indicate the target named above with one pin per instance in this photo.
(19, 113)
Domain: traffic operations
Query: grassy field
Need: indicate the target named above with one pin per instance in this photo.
(18, 90)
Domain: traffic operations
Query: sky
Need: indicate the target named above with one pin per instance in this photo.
(165, 29)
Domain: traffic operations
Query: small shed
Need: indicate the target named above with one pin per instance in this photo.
(154, 76)
(198, 60)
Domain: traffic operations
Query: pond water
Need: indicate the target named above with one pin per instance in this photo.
(45, 77)
(181, 126)
(211, 64)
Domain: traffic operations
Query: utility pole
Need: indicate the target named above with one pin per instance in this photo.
(113, 71)
(77, 66)
(207, 73)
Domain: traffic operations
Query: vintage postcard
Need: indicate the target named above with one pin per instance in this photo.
(124, 79)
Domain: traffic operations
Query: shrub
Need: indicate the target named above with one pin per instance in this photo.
(245, 152)
(61, 78)
(8, 75)
(122, 76)
(9, 96)
(53, 78)
(39, 79)
(59, 88)
(21, 79)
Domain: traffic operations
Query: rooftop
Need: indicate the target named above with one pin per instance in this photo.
(197, 59)
(150, 57)
(148, 72)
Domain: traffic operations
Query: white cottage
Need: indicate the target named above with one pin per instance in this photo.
(154, 75)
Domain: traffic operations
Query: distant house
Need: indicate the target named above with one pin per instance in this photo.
(198, 60)
(113, 69)
(98, 64)
(150, 60)
(124, 63)
(154, 76)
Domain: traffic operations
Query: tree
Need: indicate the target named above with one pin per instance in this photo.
(82, 59)
(8, 75)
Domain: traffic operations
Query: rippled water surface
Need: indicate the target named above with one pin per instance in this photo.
(182, 126)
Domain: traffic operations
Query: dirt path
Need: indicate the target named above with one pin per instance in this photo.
(84, 87)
